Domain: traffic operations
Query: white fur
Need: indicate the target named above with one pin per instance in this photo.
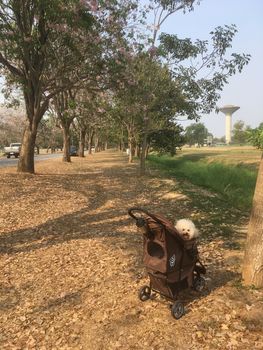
(186, 228)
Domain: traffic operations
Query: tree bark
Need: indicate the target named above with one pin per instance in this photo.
(26, 157)
(66, 143)
(252, 272)
(35, 111)
(121, 144)
(130, 151)
(147, 151)
(90, 140)
(82, 137)
(96, 144)
(144, 147)
(130, 143)
(137, 150)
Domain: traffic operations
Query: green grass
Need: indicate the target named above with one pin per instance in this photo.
(234, 182)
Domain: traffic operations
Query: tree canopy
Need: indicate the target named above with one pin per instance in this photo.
(50, 50)
(255, 136)
(240, 132)
(196, 134)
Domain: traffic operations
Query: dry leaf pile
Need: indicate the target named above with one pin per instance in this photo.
(71, 265)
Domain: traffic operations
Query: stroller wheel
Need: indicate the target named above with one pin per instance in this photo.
(144, 293)
(177, 310)
(199, 283)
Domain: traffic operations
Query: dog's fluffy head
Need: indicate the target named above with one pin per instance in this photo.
(186, 228)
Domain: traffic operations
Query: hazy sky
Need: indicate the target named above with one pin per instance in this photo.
(245, 89)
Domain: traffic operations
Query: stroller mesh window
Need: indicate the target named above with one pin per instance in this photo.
(155, 250)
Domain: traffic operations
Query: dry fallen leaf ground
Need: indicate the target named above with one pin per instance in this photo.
(71, 264)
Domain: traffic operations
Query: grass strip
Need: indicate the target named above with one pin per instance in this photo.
(235, 183)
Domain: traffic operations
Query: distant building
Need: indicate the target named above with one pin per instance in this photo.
(228, 110)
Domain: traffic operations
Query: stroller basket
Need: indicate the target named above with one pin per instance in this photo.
(172, 263)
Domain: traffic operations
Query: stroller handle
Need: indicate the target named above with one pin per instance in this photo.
(131, 210)
(134, 209)
(156, 219)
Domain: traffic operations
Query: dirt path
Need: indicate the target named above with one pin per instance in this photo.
(71, 265)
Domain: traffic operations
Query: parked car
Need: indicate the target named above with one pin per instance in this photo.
(12, 150)
(73, 151)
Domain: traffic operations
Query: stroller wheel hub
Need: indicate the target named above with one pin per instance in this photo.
(144, 293)
(177, 310)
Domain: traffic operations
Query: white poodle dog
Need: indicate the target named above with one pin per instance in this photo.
(186, 228)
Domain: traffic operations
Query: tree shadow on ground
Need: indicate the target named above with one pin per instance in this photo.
(78, 225)
(85, 224)
(89, 222)
(95, 221)
(9, 297)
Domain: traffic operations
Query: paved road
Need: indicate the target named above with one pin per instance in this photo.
(4, 162)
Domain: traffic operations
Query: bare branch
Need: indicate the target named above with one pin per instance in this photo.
(10, 67)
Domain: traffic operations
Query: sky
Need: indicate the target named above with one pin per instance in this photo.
(244, 90)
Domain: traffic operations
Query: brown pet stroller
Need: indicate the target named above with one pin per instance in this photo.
(172, 263)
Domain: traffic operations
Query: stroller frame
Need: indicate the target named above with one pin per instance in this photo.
(172, 263)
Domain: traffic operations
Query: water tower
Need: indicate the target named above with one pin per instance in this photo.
(228, 111)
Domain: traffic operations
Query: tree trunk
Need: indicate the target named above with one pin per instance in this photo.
(96, 144)
(144, 147)
(130, 151)
(253, 260)
(82, 137)
(147, 151)
(89, 142)
(137, 150)
(121, 144)
(26, 157)
(143, 155)
(89, 147)
(66, 143)
(130, 143)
